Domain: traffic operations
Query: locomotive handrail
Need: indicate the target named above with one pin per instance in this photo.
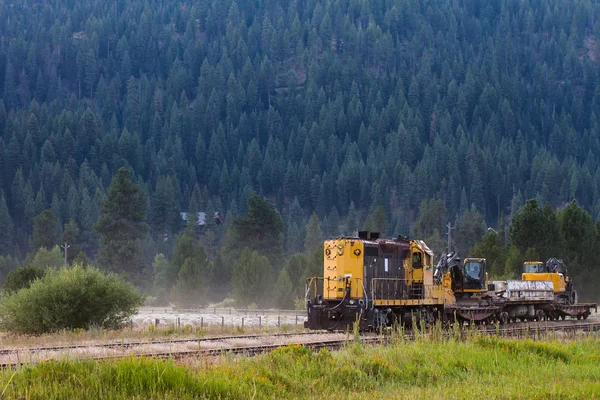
(399, 289)
(312, 285)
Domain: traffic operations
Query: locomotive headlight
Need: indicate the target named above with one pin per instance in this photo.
(352, 302)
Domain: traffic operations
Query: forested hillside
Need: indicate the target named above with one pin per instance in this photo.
(326, 106)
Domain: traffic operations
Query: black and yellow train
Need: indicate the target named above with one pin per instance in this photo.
(378, 282)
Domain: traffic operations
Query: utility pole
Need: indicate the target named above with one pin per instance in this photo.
(65, 247)
(450, 229)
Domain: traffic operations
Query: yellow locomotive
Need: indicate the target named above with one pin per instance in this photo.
(376, 282)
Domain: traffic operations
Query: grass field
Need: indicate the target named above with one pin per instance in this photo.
(482, 368)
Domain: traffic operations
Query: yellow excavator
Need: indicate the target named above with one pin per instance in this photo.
(553, 270)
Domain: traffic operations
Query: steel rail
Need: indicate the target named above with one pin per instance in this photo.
(126, 345)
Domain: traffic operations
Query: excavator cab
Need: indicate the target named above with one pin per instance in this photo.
(533, 267)
(474, 276)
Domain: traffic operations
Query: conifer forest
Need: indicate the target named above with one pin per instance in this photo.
(205, 148)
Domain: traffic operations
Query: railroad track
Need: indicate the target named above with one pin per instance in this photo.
(533, 331)
(126, 345)
(542, 327)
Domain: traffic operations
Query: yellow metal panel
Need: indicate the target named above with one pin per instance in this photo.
(558, 280)
(417, 275)
(330, 272)
(343, 262)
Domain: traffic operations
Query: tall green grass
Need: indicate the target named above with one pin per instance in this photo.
(482, 367)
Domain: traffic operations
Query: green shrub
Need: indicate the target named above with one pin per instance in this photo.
(70, 298)
(21, 278)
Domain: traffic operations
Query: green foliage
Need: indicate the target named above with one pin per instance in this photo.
(45, 230)
(21, 278)
(470, 230)
(416, 369)
(296, 268)
(331, 105)
(81, 259)
(69, 298)
(314, 234)
(260, 229)
(185, 247)
(252, 279)
(220, 274)
(432, 217)
(314, 266)
(7, 264)
(536, 227)
(6, 233)
(283, 291)
(492, 249)
(431, 224)
(160, 287)
(379, 221)
(579, 238)
(121, 224)
(52, 258)
(190, 288)
(69, 236)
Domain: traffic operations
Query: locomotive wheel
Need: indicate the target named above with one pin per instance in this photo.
(586, 315)
(563, 317)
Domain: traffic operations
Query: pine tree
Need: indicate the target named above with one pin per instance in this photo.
(252, 278)
(164, 214)
(69, 238)
(122, 226)
(189, 290)
(283, 291)
(260, 229)
(160, 289)
(379, 220)
(45, 230)
(314, 234)
(351, 225)
(6, 233)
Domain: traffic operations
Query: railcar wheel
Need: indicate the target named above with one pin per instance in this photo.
(539, 315)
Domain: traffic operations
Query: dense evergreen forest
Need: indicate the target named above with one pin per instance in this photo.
(360, 113)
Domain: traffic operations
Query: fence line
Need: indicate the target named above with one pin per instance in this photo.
(217, 310)
(233, 322)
